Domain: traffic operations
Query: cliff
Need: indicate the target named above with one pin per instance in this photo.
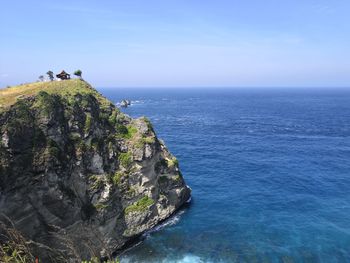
(78, 178)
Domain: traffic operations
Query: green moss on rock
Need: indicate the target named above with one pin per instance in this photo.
(122, 130)
(125, 159)
(47, 103)
(140, 206)
(100, 206)
(125, 132)
(88, 121)
(145, 140)
(177, 178)
(65, 89)
(22, 118)
(173, 162)
(113, 118)
(116, 179)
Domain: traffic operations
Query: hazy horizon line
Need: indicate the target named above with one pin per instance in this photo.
(222, 87)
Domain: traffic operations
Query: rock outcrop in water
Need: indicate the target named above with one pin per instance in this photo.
(125, 103)
(77, 176)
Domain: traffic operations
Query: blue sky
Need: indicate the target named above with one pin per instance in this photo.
(178, 43)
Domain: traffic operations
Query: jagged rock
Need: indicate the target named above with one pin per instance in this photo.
(76, 174)
(125, 103)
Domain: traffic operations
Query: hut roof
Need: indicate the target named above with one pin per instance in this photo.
(63, 73)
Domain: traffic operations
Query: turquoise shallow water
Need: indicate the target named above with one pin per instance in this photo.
(269, 169)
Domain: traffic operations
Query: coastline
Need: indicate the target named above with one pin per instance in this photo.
(162, 224)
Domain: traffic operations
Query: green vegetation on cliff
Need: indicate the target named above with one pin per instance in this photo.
(118, 176)
(126, 132)
(140, 206)
(66, 89)
(87, 164)
(173, 162)
(125, 159)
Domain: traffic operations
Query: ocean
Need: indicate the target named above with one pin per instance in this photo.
(269, 170)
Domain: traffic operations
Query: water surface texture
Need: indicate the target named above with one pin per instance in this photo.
(269, 169)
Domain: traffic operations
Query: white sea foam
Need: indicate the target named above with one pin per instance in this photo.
(132, 103)
(169, 222)
(188, 258)
(137, 102)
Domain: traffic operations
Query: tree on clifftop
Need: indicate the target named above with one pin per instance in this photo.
(50, 74)
(78, 73)
(41, 78)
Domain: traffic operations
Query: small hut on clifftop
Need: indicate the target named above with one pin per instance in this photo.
(63, 75)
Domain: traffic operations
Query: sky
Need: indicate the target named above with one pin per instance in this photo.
(178, 43)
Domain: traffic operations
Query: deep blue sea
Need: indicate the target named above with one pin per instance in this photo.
(269, 170)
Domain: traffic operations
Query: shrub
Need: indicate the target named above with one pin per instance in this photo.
(173, 162)
(22, 110)
(78, 73)
(82, 147)
(125, 159)
(131, 132)
(121, 129)
(46, 102)
(14, 247)
(87, 123)
(104, 117)
(126, 132)
(112, 119)
(177, 178)
(148, 140)
(50, 74)
(131, 191)
(140, 206)
(117, 177)
(144, 140)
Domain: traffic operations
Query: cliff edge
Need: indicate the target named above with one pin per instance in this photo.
(78, 178)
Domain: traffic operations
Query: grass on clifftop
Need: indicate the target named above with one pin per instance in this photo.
(65, 88)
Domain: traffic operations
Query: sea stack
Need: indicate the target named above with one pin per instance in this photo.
(125, 103)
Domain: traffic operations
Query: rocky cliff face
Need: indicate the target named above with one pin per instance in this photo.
(79, 177)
